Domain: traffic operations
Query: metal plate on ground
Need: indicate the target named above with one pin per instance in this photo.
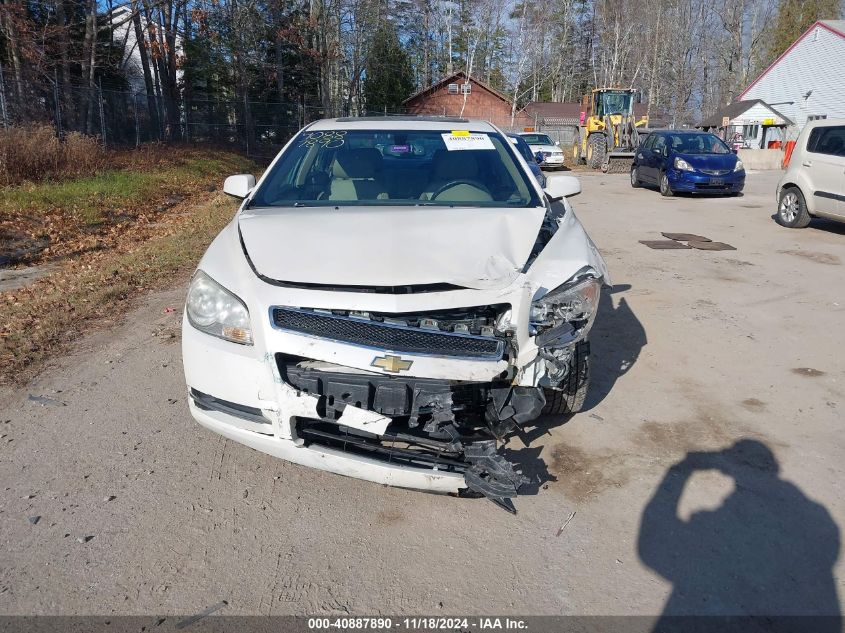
(686, 237)
(664, 244)
(712, 246)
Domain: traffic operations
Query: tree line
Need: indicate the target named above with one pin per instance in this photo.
(350, 57)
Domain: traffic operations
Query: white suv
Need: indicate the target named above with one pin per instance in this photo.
(814, 182)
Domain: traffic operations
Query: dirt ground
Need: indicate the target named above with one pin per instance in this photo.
(142, 511)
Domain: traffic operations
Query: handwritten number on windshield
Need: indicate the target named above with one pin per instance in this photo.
(330, 139)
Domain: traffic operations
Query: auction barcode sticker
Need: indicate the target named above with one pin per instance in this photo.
(458, 140)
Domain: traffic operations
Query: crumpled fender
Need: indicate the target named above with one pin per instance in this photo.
(567, 252)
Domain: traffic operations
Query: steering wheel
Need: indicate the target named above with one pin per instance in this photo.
(455, 183)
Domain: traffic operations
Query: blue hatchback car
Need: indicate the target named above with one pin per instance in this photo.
(688, 161)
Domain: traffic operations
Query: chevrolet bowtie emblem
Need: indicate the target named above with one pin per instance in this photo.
(393, 364)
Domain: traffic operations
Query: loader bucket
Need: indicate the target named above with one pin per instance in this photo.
(617, 162)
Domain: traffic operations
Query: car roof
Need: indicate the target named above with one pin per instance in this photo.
(681, 131)
(402, 123)
(826, 122)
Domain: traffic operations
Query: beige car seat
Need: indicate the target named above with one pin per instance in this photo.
(451, 166)
(355, 175)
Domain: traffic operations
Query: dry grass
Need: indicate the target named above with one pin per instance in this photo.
(111, 237)
(56, 220)
(33, 153)
(41, 320)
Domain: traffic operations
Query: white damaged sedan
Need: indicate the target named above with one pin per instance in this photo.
(393, 300)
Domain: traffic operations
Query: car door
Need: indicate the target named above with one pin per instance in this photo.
(824, 161)
(656, 156)
(643, 154)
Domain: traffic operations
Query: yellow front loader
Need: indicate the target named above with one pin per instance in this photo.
(608, 131)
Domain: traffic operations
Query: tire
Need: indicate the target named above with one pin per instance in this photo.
(635, 179)
(665, 188)
(596, 149)
(570, 398)
(576, 153)
(792, 209)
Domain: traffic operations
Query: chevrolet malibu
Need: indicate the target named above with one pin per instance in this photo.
(394, 298)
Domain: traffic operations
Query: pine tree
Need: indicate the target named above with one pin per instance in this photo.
(389, 77)
(793, 18)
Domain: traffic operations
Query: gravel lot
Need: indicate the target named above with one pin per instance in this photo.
(142, 511)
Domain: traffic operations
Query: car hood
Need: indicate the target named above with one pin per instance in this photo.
(545, 148)
(390, 246)
(710, 161)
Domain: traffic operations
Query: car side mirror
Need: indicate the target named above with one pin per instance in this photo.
(559, 187)
(734, 150)
(239, 186)
(557, 143)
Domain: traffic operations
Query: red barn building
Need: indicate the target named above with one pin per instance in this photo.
(455, 95)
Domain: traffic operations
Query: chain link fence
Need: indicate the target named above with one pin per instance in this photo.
(126, 118)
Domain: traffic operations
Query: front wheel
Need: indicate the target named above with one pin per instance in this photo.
(570, 397)
(665, 188)
(596, 149)
(635, 178)
(792, 209)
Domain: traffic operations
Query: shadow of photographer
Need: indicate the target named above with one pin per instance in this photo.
(768, 550)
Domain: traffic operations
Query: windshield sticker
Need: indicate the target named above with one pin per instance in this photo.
(400, 149)
(329, 139)
(459, 140)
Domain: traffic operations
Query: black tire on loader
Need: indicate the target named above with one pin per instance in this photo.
(596, 149)
(577, 154)
(570, 398)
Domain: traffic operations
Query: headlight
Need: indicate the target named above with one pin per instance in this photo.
(739, 165)
(683, 165)
(574, 303)
(216, 311)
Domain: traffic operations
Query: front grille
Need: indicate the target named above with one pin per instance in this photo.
(388, 337)
(716, 172)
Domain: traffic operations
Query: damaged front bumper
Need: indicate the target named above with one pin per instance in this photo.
(392, 406)
(420, 431)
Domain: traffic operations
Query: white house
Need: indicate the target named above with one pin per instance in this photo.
(807, 81)
(758, 123)
(124, 36)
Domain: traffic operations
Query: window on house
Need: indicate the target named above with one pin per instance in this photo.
(750, 131)
(453, 89)
(466, 88)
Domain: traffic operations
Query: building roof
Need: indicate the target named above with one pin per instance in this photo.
(553, 109)
(737, 108)
(566, 109)
(836, 27)
(402, 122)
(451, 79)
